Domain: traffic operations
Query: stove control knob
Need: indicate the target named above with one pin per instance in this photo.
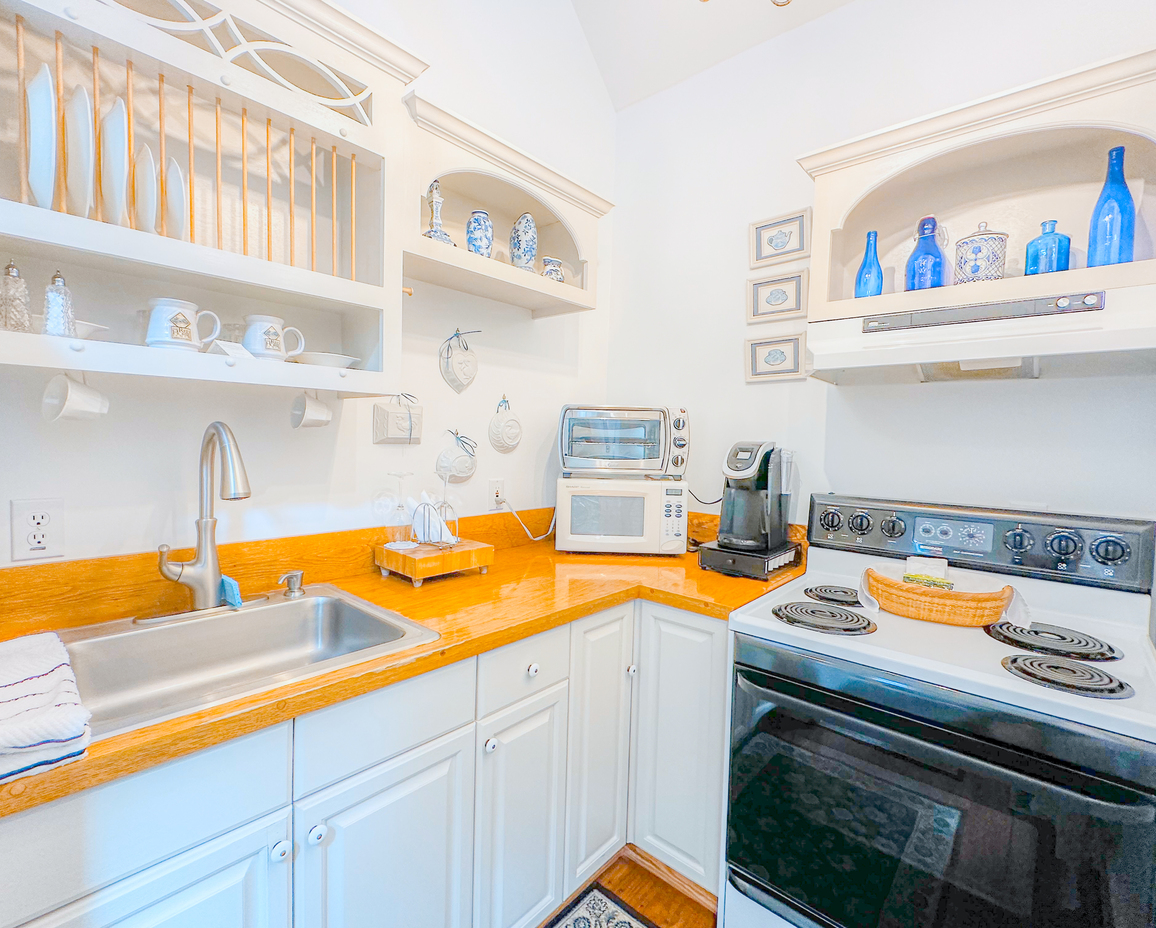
(678, 460)
(1111, 550)
(893, 527)
(1018, 540)
(1065, 545)
(679, 424)
(831, 519)
(860, 523)
(679, 443)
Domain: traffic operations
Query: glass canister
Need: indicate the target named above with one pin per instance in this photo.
(1049, 251)
(926, 266)
(14, 302)
(980, 256)
(58, 315)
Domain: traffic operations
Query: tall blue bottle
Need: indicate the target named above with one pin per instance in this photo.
(925, 266)
(869, 280)
(1049, 251)
(1113, 225)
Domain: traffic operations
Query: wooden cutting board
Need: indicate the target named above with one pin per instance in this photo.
(425, 561)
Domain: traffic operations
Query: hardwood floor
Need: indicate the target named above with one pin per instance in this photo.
(653, 897)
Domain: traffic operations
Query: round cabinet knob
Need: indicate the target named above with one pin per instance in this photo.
(831, 519)
(680, 423)
(491, 745)
(1064, 544)
(860, 523)
(678, 460)
(280, 850)
(1018, 540)
(1111, 550)
(632, 670)
(680, 443)
(533, 670)
(894, 527)
(317, 834)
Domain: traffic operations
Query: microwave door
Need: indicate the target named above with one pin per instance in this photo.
(608, 516)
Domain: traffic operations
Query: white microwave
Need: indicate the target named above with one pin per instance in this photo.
(621, 515)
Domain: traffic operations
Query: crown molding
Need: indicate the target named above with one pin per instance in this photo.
(1073, 87)
(468, 136)
(352, 34)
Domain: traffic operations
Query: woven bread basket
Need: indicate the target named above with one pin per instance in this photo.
(950, 607)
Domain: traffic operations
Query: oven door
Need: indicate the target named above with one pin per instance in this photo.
(614, 441)
(845, 814)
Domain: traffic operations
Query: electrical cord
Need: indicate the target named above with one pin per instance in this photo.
(514, 513)
(703, 501)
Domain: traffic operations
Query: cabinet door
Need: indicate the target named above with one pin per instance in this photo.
(680, 749)
(598, 759)
(521, 782)
(240, 880)
(392, 845)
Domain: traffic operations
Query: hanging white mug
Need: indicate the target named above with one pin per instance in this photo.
(308, 412)
(173, 324)
(265, 337)
(64, 398)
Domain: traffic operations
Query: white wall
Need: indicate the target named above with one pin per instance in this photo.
(697, 163)
(521, 70)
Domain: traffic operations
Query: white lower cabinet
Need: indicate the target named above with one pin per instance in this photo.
(519, 834)
(678, 768)
(392, 845)
(598, 758)
(239, 880)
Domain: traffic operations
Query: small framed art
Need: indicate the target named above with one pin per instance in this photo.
(782, 357)
(770, 299)
(784, 238)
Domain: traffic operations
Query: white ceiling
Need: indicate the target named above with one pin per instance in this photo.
(644, 46)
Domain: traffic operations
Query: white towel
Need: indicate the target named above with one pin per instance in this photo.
(42, 721)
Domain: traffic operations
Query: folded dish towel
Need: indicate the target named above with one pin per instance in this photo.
(42, 721)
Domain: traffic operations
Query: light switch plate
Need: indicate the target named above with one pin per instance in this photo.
(37, 529)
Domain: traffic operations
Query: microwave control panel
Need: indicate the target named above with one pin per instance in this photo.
(1089, 550)
(673, 520)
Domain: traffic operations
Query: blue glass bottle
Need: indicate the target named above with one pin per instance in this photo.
(1049, 252)
(926, 264)
(869, 280)
(1113, 225)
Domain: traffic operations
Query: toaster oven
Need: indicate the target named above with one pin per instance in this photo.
(623, 441)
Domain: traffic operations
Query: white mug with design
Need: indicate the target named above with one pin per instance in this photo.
(265, 337)
(174, 324)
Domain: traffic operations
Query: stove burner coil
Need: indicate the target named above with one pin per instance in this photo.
(1059, 673)
(836, 595)
(1054, 640)
(830, 620)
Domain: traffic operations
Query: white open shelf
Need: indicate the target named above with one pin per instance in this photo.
(462, 270)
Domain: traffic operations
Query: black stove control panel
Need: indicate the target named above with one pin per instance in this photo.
(1090, 550)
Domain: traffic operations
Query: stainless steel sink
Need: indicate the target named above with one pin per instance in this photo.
(135, 673)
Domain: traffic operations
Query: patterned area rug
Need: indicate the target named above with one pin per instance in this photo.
(599, 908)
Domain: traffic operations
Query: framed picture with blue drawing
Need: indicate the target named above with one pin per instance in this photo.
(770, 299)
(784, 238)
(778, 357)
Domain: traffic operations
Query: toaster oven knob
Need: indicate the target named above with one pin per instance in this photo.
(679, 424)
(831, 519)
(680, 443)
(893, 527)
(1064, 545)
(1110, 550)
(1018, 540)
(860, 523)
(678, 460)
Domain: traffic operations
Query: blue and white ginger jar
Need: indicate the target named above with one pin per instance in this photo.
(524, 242)
(552, 268)
(480, 233)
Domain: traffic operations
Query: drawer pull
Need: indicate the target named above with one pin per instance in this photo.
(317, 834)
(632, 670)
(280, 850)
(491, 745)
(533, 670)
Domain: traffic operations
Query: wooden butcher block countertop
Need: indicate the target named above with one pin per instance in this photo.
(529, 589)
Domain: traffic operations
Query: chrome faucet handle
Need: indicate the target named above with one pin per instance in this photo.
(292, 581)
(170, 570)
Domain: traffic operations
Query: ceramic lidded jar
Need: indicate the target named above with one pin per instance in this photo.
(980, 256)
(480, 233)
(524, 242)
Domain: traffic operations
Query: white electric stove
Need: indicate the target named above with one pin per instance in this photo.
(873, 750)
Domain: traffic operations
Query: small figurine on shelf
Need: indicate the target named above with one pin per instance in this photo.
(980, 256)
(480, 233)
(869, 280)
(1113, 226)
(552, 268)
(925, 267)
(14, 302)
(435, 230)
(1049, 251)
(58, 315)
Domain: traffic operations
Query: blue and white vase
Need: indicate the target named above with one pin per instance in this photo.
(480, 233)
(524, 243)
(552, 268)
(980, 256)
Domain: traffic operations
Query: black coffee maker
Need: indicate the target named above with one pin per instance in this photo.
(752, 531)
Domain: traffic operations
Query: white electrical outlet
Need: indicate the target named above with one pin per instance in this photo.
(497, 493)
(37, 529)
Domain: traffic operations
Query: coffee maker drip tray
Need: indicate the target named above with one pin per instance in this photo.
(754, 564)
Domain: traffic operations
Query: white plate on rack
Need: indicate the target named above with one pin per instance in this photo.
(176, 202)
(114, 163)
(80, 150)
(41, 95)
(83, 329)
(145, 187)
(325, 359)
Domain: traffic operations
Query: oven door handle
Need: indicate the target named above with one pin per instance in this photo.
(935, 754)
(770, 901)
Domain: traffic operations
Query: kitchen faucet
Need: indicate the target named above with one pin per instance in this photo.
(203, 573)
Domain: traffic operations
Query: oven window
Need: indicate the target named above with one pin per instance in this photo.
(857, 828)
(624, 516)
(615, 439)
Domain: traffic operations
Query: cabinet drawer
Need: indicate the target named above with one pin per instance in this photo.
(351, 736)
(522, 669)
